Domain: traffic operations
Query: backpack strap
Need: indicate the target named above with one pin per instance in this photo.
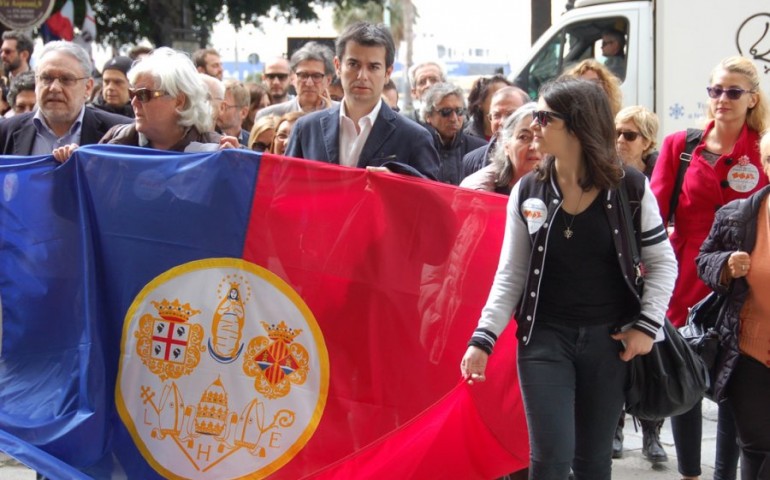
(692, 140)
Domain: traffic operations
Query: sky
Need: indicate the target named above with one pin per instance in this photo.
(499, 25)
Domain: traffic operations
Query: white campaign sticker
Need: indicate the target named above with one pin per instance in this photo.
(744, 176)
(535, 213)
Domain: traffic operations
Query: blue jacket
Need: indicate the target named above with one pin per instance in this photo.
(394, 142)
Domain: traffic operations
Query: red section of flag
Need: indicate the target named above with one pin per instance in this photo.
(61, 26)
(395, 270)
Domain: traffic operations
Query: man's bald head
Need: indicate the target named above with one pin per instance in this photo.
(504, 102)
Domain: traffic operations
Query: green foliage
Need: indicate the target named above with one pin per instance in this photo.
(164, 21)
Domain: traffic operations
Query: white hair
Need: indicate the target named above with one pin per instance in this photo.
(174, 73)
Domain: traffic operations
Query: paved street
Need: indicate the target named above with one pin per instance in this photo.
(631, 466)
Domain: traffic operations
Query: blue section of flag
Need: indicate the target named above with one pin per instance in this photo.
(119, 213)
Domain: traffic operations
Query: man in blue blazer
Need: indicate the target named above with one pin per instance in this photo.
(362, 131)
(63, 84)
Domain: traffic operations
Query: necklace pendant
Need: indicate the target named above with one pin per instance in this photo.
(568, 233)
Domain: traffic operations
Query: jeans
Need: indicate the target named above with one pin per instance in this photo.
(572, 382)
(748, 398)
(688, 434)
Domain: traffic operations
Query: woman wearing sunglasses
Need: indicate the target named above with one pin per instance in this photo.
(171, 108)
(567, 271)
(725, 166)
(636, 129)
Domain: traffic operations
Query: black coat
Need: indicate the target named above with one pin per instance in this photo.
(734, 228)
(17, 134)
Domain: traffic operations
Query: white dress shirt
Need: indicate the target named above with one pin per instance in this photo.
(351, 140)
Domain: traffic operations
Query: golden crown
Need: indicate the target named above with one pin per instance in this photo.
(175, 311)
(281, 332)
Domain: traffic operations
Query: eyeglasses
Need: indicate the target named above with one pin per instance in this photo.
(430, 80)
(279, 76)
(304, 76)
(65, 80)
(227, 106)
(144, 95)
(732, 93)
(447, 112)
(628, 135)
(544, 117)
(498, 115)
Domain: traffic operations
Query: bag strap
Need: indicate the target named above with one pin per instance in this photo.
(631, 233)
(692, 140)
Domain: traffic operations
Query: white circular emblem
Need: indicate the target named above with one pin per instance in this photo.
(223, 373)
(743, 177)
(535, 213)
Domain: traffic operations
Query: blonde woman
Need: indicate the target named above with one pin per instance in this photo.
(725, 166)
(262, 133)
(636, 129)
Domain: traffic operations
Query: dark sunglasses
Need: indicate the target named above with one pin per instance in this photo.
(732, 93)
(447, 112)
(144, 94)
(279, 76)
(628, 135)
(544, 117)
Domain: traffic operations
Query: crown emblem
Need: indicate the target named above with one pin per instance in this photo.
(174, 311)
(212, 410)
(281, 332)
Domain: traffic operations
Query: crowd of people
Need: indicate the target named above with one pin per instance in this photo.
(565, 272)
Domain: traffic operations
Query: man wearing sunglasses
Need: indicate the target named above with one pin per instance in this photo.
(277, 77)
(313, 69)
(444, 111)
(63, 84)
(362, 131)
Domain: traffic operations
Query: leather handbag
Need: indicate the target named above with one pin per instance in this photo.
(670, 379)
(701, 331)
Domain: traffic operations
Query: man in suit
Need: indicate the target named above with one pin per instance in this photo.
(313, 69)
(62, 87)
(362, 131)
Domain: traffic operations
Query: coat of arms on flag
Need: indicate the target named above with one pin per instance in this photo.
(195, 404)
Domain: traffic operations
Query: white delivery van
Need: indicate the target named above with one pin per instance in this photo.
(671, 46)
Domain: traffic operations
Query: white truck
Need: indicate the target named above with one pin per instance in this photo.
(671, 48)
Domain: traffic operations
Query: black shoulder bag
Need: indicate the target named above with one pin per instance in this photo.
(692, 140)
(701, 332)
(670, 379)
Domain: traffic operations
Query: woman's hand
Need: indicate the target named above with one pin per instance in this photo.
(473, 365)
(62, 154)
(635, 343)
(228, 142)
(738, 264)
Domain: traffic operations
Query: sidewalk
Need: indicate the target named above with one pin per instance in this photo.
(634, 465)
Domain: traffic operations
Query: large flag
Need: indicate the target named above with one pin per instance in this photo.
(236, 315)
(60, 25)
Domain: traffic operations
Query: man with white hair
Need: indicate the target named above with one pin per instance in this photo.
(62, 87)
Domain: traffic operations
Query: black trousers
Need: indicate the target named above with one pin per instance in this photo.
(572, 381)
(749, 399)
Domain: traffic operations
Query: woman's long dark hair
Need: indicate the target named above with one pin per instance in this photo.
(588, 116)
